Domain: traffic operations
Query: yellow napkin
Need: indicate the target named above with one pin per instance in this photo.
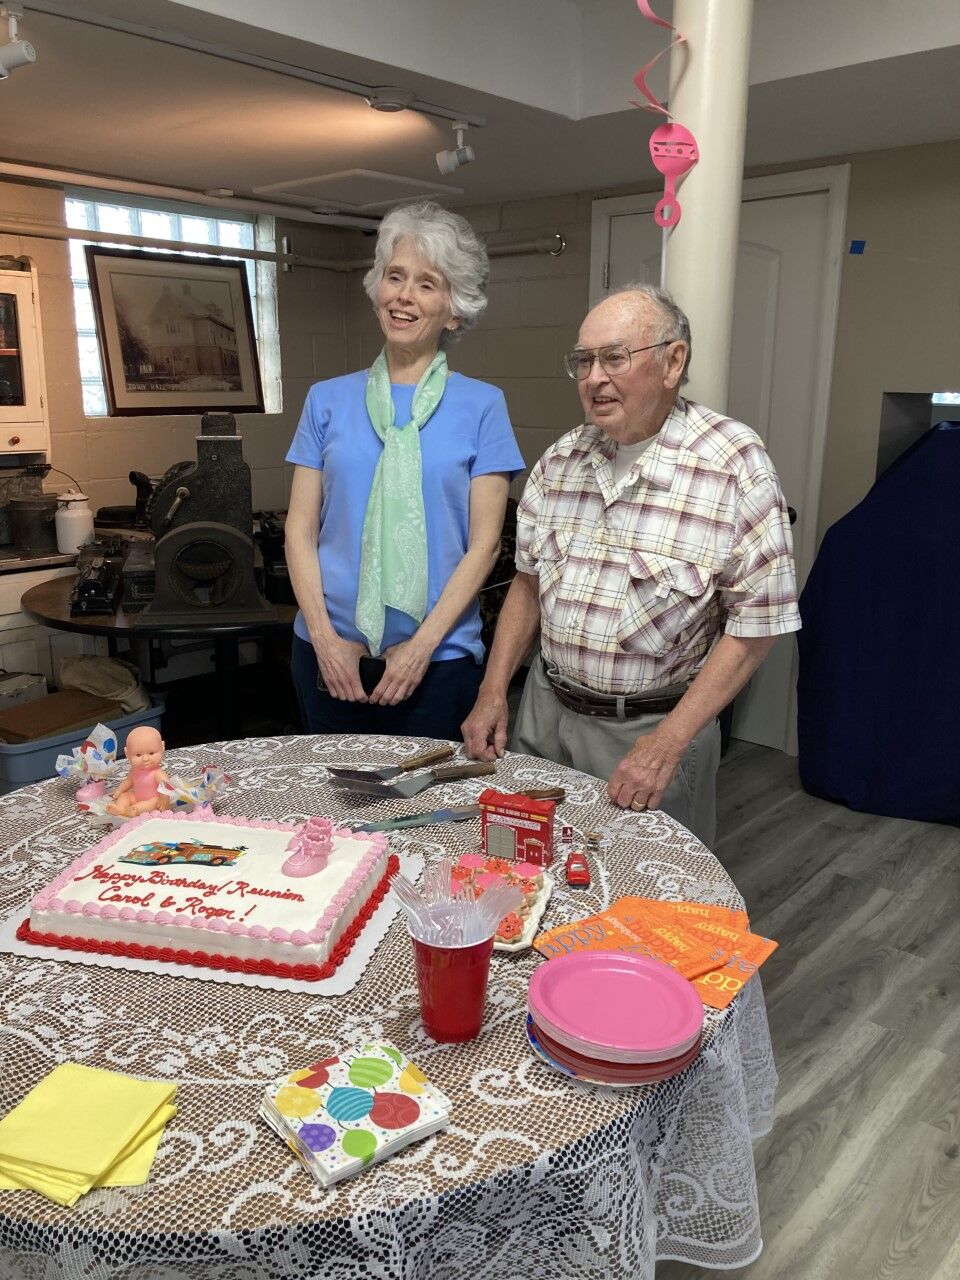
(81, 1128)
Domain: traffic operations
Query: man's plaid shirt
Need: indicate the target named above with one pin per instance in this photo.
(637, 581)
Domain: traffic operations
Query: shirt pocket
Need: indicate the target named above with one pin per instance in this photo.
(663, 598)
(550, 549)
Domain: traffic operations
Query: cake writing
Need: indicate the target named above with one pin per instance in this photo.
(120, 886)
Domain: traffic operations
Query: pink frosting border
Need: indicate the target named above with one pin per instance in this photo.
(47, 900)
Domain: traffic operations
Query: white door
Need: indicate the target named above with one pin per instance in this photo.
(783, 328)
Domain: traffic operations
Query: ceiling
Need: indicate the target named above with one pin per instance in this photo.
(105, 102)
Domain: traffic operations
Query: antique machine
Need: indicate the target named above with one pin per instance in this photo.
(97, 587)
(201, 514)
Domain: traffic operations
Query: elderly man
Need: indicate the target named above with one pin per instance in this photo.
(654, 557)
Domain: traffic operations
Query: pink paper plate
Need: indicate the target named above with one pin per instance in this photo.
(609, 1072)
(613, 1005)
(622, 1079)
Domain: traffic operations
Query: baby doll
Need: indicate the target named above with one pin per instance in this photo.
(138, 792)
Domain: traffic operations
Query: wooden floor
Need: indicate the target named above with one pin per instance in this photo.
(860, 1177)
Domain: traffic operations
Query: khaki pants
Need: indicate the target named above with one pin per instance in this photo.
(596, 746)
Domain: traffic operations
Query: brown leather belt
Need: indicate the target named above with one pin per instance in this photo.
(608, 705)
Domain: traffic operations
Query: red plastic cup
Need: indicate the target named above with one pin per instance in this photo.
(453, 988)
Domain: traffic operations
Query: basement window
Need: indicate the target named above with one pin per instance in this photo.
(156, 223)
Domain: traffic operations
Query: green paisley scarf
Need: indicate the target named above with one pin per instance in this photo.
(393, 553)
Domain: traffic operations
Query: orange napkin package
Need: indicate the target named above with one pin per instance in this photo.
(664, 939)
(709, 945)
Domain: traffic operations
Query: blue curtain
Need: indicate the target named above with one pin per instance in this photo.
(878, 692)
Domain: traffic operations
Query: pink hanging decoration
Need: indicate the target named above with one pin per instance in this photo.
(673, 148)
(653, 103)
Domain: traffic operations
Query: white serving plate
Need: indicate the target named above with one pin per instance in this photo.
(532, 920)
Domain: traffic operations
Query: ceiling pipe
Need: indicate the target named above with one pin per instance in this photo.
(38, 231)
(70, 11)
(553, 245)
(127, 186)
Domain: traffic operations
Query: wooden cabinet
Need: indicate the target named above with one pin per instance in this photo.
(24, 426)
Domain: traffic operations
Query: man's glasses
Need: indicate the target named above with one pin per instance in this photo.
(613, 359)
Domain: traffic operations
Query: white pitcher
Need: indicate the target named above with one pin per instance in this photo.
(73, 521)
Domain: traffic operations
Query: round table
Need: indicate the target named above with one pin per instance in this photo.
(49, 604)
(535, 1174)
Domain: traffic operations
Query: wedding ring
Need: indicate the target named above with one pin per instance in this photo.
(638, 807)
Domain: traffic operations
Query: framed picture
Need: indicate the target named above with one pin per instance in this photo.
(175, 333)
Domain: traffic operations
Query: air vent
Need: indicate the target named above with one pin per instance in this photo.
(355, 190)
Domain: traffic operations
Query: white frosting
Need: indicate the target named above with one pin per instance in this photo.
(248, 908)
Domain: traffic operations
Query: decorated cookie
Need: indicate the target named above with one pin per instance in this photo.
(500, 866)
(510, 927)
(528, 871)
(488, 880)
(472, 861)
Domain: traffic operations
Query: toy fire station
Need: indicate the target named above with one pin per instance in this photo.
(518, 828)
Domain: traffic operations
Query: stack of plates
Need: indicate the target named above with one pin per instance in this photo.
(609, 1017)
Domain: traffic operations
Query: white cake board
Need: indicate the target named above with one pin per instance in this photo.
(346, 977)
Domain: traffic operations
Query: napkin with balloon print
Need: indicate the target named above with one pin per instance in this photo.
(343, 1114)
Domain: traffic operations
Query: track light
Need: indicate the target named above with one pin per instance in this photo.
(450, 161)
(17, 53)
(389, 98)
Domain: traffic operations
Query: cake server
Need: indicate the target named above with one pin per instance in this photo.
(388, 772)
(456, 813)
(405, 788)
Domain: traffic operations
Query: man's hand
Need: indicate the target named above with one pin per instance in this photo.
(485, 728)
(407, 663)
(643, 775)
(339, 662)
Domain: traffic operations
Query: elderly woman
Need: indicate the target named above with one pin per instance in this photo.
(399, 491)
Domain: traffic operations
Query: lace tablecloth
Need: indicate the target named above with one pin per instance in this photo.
(535, 1174)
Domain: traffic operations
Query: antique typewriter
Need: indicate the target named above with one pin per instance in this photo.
(97, 588)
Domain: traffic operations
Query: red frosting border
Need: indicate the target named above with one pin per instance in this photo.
(230, 964)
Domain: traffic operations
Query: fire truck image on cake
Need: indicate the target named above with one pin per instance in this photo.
(160, 852)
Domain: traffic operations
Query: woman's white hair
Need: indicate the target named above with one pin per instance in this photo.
(450, 244)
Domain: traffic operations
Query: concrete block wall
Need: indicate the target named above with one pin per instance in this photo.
(311, 310)
(100, 452)
(536, 305)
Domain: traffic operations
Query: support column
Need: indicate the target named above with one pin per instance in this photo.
(708, 94)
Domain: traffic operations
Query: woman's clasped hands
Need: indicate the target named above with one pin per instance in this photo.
(405, 666)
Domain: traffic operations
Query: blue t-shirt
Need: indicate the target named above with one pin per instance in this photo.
(468, 435)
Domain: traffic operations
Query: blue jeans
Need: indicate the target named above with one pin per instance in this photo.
(435, 709)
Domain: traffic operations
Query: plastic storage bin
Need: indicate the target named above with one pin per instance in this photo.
(25, 762)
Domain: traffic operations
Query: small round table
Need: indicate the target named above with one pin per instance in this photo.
(49, 603)
(535, 1175)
